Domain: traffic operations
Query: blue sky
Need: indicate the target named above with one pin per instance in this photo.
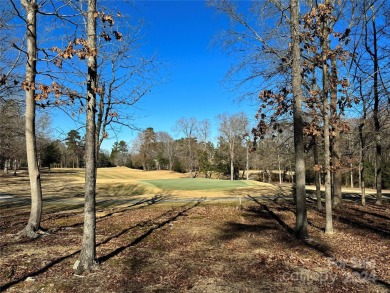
(182, 33)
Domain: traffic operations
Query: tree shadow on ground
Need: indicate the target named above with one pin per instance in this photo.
(357, 218)
(57, 207)
(116, 190)
(380, 227)
(322, 248)
(352, 196)
(233, 230)
(155, 224)
(143, 203)
(37, 272)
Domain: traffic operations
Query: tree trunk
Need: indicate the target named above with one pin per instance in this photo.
(6, 166)
(325, 113)
(362, 146)
(351, 175)
(231, 168)
(317, 175)
(280, 170)
(15, 165)
(88, 251)
(377, 126)
(247, 161)
(336, 152)
(328, 193)
(99, 123)
(361, 172)
(372, 50)
(300, 191)
(34, 221)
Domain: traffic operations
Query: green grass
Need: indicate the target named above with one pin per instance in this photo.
(198, 184)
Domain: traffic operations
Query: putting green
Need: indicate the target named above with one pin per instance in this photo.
(199, 184)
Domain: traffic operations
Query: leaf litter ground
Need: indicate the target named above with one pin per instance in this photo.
(154, 246)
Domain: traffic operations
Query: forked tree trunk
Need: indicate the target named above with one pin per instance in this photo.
(300, 191)
(34, 221)
(87, 257)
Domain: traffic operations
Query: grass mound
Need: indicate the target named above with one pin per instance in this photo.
(198, 184)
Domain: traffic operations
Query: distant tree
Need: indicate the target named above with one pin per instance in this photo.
(51, 154)
(188, 127)
(206, 149)
(205, 154)
(74, 144)
(204, 130)
(120, 154)
(147, 148)
(233, 129)
(166, 148)
(104, 160)
(221, 158)
(12, 137)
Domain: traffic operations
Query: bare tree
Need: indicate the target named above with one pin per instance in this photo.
(124, 78)
(188, 127)
(12, 135)
(33, 225)
(373, 51)
(87, 259)
(233, 129)
(168, 146)
(12, 131)
(204, 130)
(147, 148)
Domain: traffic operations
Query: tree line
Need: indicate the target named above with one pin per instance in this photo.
(272, 160)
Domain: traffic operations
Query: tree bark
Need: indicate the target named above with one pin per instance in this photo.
(34, 221)
(336, 152)
(317, 175)
(377, 126)
(87, 257)
(373, 52)
(232, 164)
(325, 113)
(247, 160)
(362, 146)
(300, 191)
